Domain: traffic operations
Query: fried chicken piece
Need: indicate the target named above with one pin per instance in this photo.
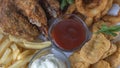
(94, 49)
(52, 7)
(14, 23)
(101, 64)
(77, 62)
(81, 65)
(32, 10)
(114, 59)
(112, 50)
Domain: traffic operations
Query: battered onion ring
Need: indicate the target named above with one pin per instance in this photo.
(112, 19)
(117, 1)
(91, 9)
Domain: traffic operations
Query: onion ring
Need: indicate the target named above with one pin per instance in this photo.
(117, 1)
(112, 19)
(90, 9)
(93, 9)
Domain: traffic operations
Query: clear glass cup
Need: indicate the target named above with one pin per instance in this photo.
(72, 16)
(50, 50)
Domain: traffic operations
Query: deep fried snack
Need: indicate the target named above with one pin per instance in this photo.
(112, 50)
(112, 19)
(109, 5)
(81, 65)
(116, 1)
(32, 10)
(14, 23)
(52, 7)
(71, 9)
(114, 59)
(77, 62)
(101, 64)
(91, 9)
(94, 49)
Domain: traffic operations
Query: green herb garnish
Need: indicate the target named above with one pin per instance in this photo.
(65, 3)
(109, 30)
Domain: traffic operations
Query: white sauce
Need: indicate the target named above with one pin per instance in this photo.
(48, 61)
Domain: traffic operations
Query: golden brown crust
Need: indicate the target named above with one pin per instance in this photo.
(94, 49)
(12, 22)
(32, 10)
(112, 19)
(101, 64)
(114, 59)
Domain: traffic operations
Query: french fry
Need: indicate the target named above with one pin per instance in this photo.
(37, 45)
(1, 37)
(5, 56)
(15, 51)
(21, 63)
(9, 60)
(3, 67)
(29, 45)
(4, 45)
(25, 54)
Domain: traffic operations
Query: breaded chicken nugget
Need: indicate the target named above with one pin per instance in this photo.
(94, 49)
(101, 64)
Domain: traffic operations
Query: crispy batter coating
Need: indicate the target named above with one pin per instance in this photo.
(77, 62)
(94, 49)
(12, 22)
(112, 19)
(81, 65)
(90, 9)
(112, 50)
(114, 59)
(93, 9)
(101, 64)
(32, 10)
(116, 1)
(52, 7)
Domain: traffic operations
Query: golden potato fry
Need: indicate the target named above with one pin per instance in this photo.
(9, 60)
(21, 63)
(5, 56)
(2, 67)
(113, 49)
(94, 49)
(101, 64)
(4, 45)
(1, 37)
(24, 54)
(15, 51)
(30, 45)
(37, 45)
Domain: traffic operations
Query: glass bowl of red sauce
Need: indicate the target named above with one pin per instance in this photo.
(68, 32)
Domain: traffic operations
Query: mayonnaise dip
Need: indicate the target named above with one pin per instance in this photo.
(48, 61)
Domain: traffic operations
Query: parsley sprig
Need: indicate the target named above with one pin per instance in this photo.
(65, 3)
(109, 30)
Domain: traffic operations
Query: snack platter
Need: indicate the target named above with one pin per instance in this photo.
(25, 31)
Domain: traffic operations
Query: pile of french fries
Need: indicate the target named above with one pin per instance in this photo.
(13, 55)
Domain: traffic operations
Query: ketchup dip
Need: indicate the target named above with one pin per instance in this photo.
(69, 33)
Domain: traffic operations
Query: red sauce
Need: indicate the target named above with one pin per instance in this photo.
(69, 34)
